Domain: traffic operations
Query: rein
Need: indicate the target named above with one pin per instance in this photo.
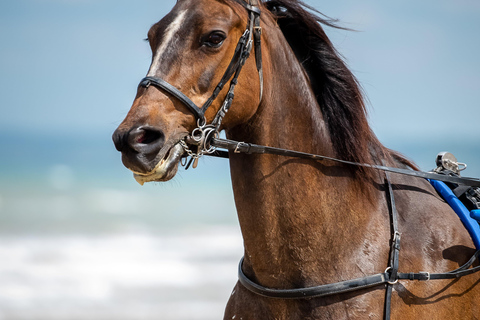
(250, 148)
(205, 141)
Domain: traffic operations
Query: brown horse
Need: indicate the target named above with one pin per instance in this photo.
(304, 222)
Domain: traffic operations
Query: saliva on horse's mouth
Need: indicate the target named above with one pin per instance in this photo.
(165, 169)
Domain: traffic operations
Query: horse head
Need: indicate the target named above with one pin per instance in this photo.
(191, 47)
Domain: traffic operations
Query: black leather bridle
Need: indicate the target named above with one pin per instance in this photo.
(252, 35)
(207, 140)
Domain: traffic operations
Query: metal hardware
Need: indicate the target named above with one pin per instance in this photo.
(390, 282)
(239, 145)
(396, 235)
(427, 273)
(447, 161)
(199, 138)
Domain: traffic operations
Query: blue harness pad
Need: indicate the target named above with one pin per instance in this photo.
(470, 219)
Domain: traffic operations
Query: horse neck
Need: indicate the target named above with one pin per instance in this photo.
(297, 216)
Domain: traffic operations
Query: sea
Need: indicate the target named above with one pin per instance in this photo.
(80, 239)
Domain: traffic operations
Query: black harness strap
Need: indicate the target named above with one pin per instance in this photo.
(312, 292)
(354, 284)
(200, 112)
(257, 35)
(250, 148)
(394, 247)
(236, 63)
(162, 84)
(455, 274)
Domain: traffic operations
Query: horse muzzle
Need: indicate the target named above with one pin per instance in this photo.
(147, 153)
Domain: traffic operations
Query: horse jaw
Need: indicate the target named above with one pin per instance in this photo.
(165, 169)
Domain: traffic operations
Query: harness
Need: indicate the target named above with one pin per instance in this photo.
(205, 140)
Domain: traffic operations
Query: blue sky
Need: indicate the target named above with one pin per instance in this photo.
(72, 66)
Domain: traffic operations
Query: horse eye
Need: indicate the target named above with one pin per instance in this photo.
(214, 39)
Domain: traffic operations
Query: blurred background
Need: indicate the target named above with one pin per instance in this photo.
(80, 239)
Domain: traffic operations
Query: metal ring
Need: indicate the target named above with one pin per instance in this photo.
(199, 124)
(197, 134)
(207, 147)
(390, 282)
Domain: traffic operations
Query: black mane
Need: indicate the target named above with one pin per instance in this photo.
(336, 88)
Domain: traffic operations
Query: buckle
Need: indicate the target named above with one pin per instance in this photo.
(424, 273)
(239, 145)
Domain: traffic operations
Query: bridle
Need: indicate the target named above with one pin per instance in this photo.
(206, 139)
(204, 132)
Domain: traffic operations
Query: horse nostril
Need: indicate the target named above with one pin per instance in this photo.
(147, 136)
(145, 140)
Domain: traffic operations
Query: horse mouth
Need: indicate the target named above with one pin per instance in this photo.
(165, 169)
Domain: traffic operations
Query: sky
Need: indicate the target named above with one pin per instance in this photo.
(71, 67)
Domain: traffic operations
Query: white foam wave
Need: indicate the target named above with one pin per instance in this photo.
(116, 276)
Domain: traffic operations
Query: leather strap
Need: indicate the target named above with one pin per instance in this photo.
(352, 285)
(257, 35)
(312, 292)
(162, 84)
(241, 54)
(394, 246)
(231, 69)
(249, 148)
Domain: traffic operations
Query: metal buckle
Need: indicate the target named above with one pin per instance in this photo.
(427, 273)
(238, 146)
(396, 236)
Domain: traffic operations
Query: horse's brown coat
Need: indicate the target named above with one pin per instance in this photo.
(307, 223)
